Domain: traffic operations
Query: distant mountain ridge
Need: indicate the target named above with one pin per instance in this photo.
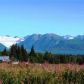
(55, 43)
(48, 42)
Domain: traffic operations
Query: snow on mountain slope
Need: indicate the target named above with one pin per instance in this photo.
(47, 42)
(9, 41)
(68, 37)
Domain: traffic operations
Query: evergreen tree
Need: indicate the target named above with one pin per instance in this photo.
(33, 57)
(23, 54)
(46, 56)
(13, 52)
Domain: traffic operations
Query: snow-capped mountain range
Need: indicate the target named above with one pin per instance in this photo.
(9, 41)
(47, 42)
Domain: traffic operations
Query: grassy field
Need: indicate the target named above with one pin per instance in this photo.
(41, 73)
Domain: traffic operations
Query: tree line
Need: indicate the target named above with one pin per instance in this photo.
(19, 53)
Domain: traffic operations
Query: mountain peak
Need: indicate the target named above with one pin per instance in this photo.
(48, 42)
(9, 41)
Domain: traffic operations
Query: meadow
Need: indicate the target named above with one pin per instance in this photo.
(41, 73)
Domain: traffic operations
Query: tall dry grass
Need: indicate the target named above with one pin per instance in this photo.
(41, 73)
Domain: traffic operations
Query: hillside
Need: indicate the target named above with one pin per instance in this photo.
(48, 42)
(55, 43)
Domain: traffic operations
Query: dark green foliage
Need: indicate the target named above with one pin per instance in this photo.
(18, 53)
(73, 77)
(49, 57)
(13, 52)
(33, 57)
(23, 54)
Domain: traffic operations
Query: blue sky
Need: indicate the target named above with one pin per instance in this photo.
(24, 17)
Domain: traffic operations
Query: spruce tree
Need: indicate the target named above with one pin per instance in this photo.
(23, 54)
(33, 57)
